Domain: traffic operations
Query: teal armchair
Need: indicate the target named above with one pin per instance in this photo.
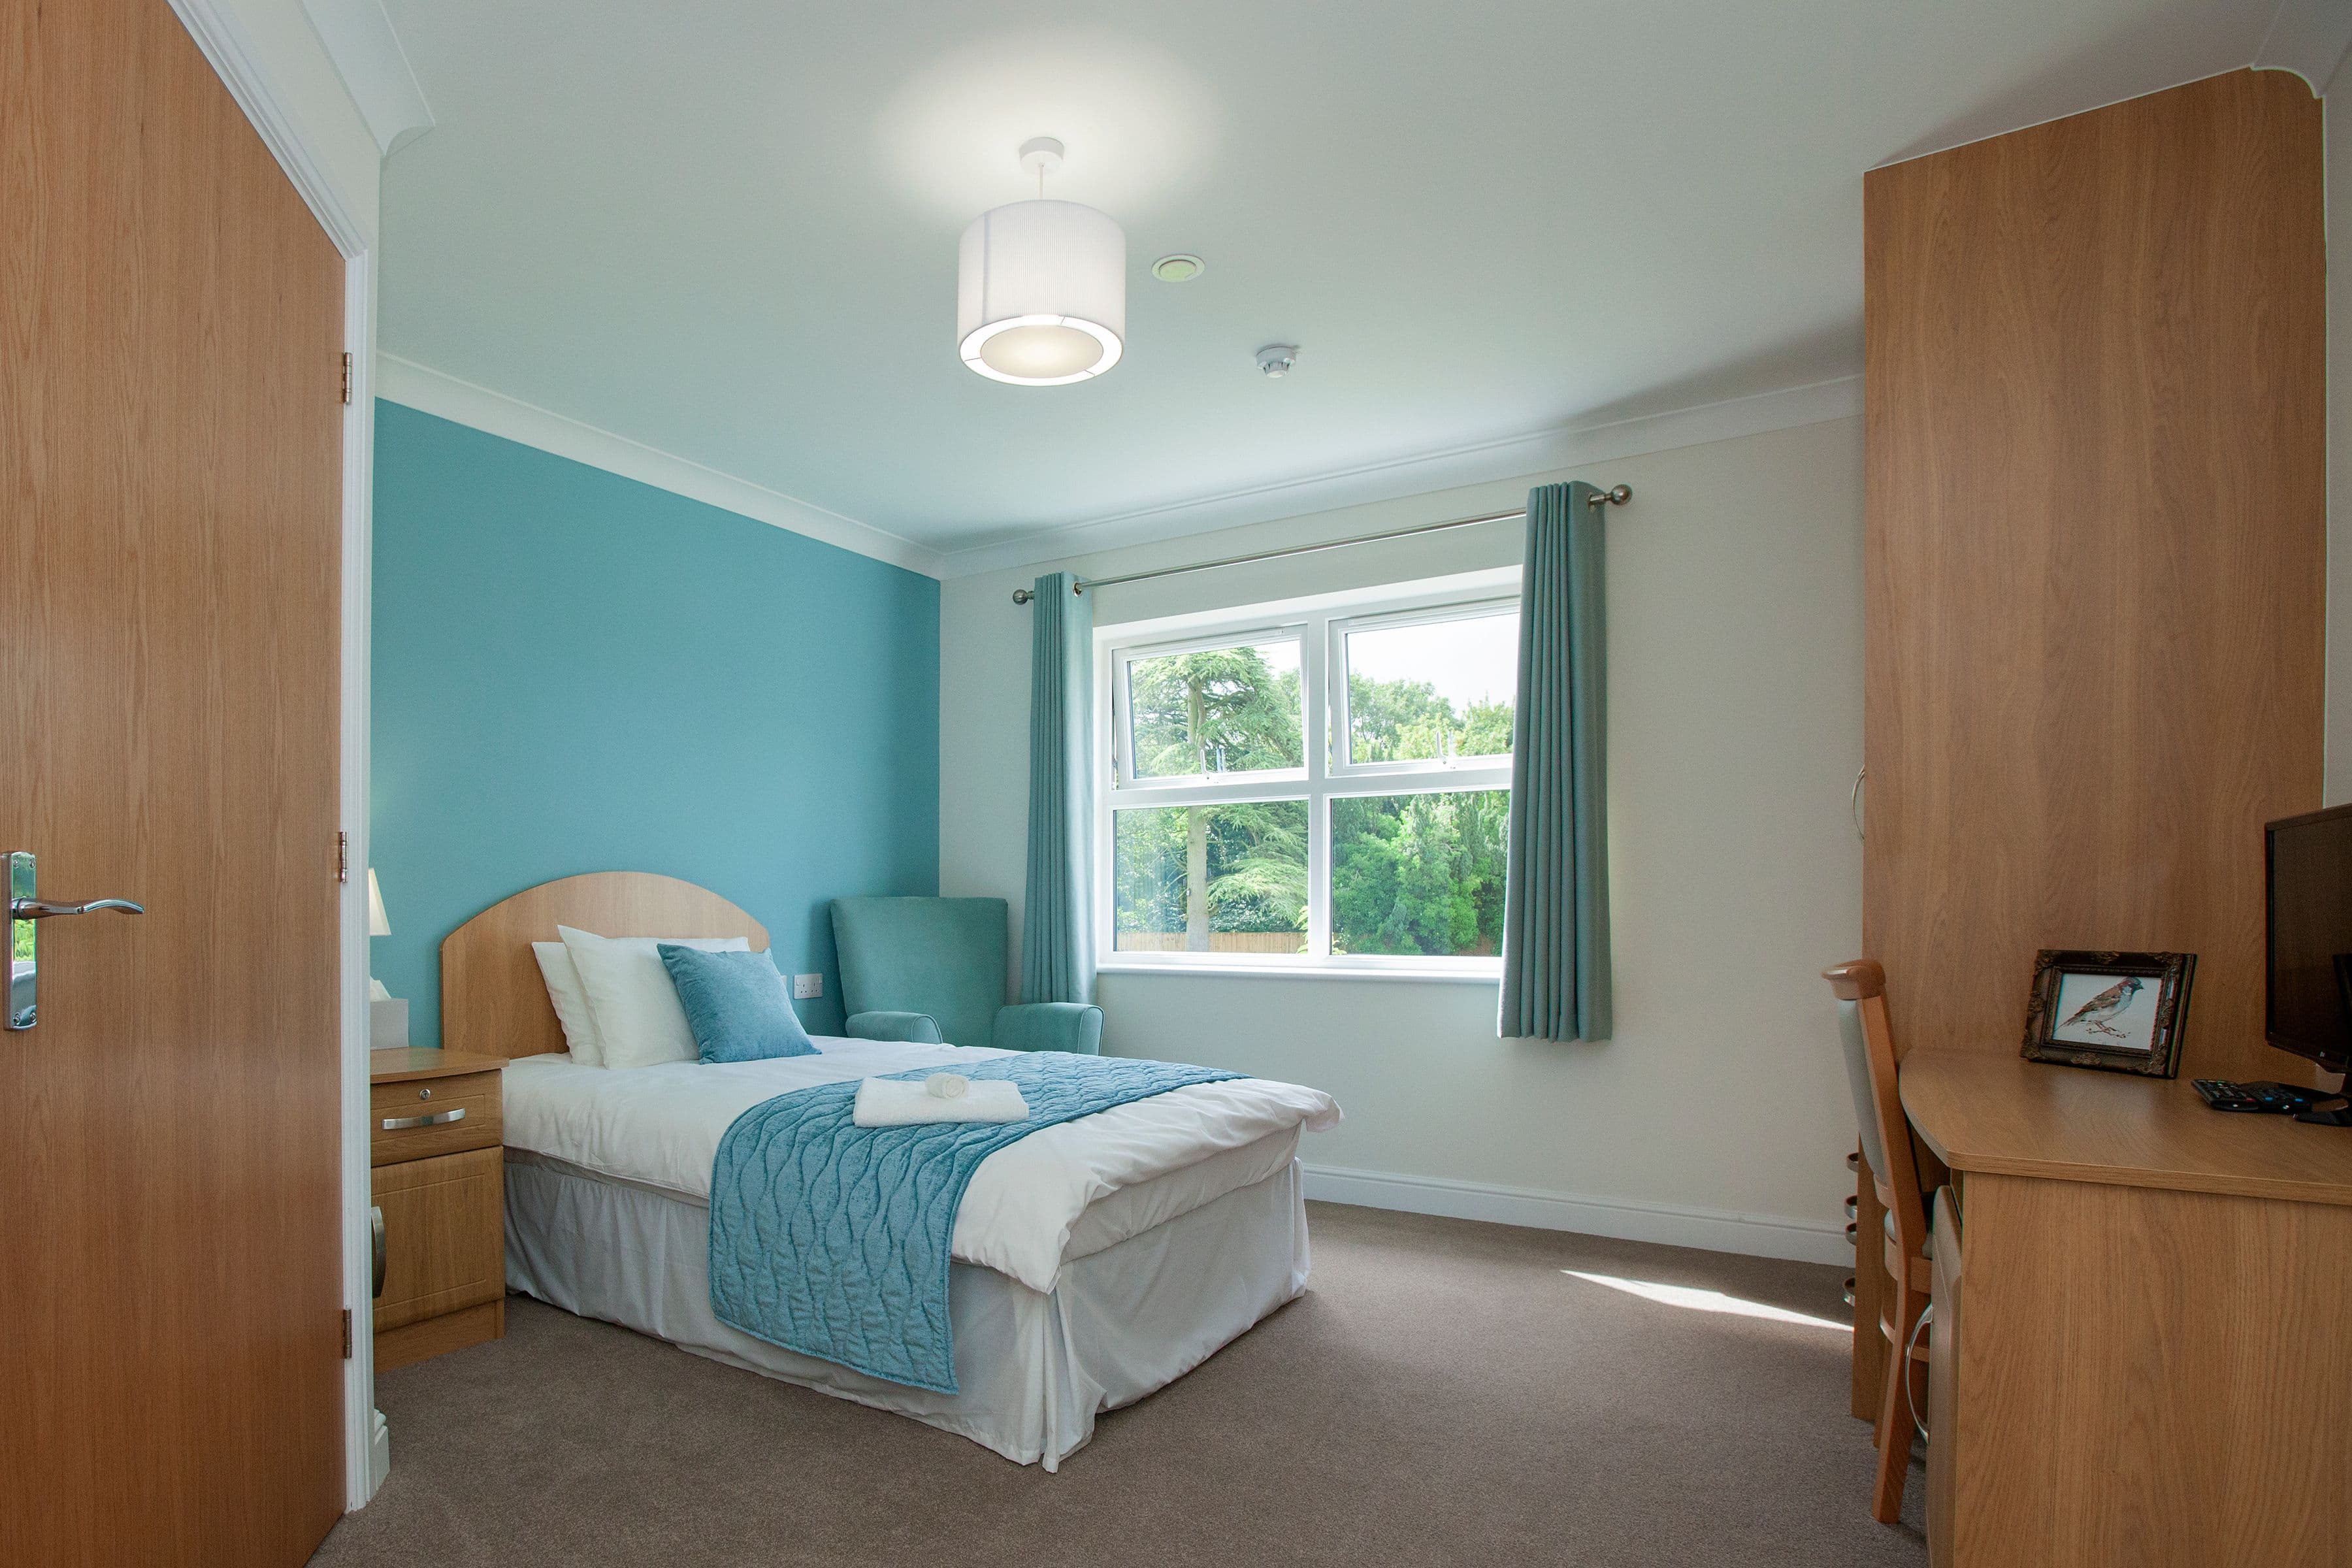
(931, 971)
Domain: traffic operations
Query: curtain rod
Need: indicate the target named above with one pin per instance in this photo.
(1617, 496)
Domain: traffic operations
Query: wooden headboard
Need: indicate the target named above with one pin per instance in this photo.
(493, 1001)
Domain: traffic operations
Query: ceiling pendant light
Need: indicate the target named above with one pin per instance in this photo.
(1041, 286)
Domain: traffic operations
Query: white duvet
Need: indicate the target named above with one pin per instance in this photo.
(661, 1126)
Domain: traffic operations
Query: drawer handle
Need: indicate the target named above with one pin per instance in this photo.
(1927, 1316)
(432, 1119)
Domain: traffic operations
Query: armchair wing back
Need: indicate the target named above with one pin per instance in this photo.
(944, 957)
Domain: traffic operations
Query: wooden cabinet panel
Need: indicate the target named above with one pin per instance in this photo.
(445, 1238)
(2148, 1377)
(2094, 560)
(474, 1097)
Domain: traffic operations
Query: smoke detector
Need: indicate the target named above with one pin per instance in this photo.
(1275, 360)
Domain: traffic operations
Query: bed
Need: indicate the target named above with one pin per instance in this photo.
(1093, 1262)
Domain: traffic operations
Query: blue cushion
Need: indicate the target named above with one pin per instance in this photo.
(736, 1005)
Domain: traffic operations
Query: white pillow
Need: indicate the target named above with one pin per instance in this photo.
(571, 999)
(639, 1023)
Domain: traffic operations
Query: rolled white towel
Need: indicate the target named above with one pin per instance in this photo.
(903, 1103)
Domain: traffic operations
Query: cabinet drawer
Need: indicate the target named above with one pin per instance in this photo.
(445, 1244)
(449, 1114)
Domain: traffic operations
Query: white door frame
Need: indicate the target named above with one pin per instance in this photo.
(367, 1447)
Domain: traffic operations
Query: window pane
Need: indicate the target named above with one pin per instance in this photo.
(1419, 873)
(1211, 878)
(1219, 710)
(1440, 689)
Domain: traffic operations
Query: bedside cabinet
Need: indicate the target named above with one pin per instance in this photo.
(434, 1132)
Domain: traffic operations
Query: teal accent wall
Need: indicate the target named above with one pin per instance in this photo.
(576, 672)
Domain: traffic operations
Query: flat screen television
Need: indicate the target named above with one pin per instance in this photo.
(2307, 982)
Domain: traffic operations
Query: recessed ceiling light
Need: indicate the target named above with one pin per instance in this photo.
(1178, 268)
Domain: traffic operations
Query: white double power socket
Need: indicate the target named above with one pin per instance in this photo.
(807, 985)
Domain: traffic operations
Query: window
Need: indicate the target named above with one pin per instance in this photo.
(1323, 788)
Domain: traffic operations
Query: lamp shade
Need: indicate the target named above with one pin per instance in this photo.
(378, 925)
(1041, 293)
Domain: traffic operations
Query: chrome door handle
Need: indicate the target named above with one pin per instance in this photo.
(42, 909)
(25, 907)
(432, 1119)
(375, 1223)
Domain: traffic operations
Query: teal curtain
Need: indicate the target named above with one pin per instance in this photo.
(1556, 982)
(1057, 956)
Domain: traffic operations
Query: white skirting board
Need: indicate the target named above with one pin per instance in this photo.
(1712, 1230)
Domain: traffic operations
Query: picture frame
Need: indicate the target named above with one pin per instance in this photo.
(2119, 1012)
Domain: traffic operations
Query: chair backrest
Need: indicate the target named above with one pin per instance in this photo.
(1869, 1043)
(940, 956)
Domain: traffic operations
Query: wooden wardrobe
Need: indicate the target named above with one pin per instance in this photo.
(2096, 573)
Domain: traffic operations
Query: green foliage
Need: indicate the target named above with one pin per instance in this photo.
(1409, 873)
(1247, 713)
(1419, 873)
(1257, 866)
(1407, 720)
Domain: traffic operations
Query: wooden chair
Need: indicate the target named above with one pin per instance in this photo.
(1861, 987)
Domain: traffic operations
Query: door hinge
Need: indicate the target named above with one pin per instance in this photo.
(347, 1333)
(347, 378)
(343, 856)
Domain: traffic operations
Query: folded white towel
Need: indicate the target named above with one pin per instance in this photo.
(903, 1103)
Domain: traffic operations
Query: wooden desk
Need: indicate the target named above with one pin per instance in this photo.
(2142, 1352)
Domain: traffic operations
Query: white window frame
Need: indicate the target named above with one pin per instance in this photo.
(1320, 625)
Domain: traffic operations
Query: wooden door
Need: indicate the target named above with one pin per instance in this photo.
(170, 1378)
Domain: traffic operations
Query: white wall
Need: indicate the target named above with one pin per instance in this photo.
(2339, 436)
(1735, 611)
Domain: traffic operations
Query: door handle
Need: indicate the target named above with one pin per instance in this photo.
(42, 909)
(25, 907)
(375, 1224)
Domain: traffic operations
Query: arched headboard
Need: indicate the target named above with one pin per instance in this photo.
(493, 1000)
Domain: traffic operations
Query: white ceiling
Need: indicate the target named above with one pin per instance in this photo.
(728, 230)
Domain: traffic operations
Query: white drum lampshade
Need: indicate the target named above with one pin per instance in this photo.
(1041, 293)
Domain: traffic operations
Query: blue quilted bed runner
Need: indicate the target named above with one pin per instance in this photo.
(831, 1239)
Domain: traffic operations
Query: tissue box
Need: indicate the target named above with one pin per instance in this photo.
(387, 1025)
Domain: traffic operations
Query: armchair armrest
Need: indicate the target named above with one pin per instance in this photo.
(913, 1028)
(1050, 1026)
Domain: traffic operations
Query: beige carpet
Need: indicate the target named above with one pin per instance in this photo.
(1445, 1393)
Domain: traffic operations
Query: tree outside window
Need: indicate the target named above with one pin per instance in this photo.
(1223, 817)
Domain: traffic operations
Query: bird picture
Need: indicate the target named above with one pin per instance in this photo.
(2095, 1015)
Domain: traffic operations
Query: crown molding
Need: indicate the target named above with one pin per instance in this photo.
(1541, 451)
(367, 54)
(445, 396)
(2308, 37)
(462, 402)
